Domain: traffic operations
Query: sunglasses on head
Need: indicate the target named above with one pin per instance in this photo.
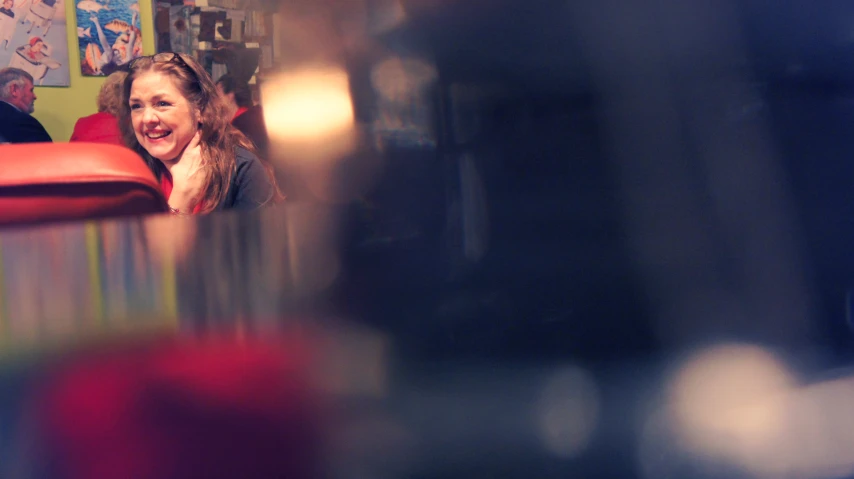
(175, 58)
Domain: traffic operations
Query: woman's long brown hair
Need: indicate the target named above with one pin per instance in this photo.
(219, 139)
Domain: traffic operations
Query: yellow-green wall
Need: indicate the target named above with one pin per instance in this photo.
(58, 108)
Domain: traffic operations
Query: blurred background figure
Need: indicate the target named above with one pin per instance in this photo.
(246, 115)
(103, 127)
(237, 95)
(17, 102)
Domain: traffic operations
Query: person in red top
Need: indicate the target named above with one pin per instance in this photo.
(245, 116)
(237, 95)
(103, 127)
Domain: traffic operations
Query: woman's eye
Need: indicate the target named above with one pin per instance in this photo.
(135, 107)
(162, 103)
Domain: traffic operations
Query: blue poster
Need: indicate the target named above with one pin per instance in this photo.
(108, 35)
(33, 37)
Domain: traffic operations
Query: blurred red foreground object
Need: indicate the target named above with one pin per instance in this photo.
(48, 182)
(183, 410)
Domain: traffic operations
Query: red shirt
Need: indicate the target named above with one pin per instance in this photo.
(240, 111)
(98, 128)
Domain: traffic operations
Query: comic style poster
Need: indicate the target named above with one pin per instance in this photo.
(108, 35)
(33, 37)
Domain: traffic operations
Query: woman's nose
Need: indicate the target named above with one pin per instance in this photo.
(149, 116)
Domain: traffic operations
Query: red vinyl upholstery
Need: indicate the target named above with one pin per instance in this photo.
(47, 182)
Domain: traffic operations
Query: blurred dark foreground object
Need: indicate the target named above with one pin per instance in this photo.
(179, 409)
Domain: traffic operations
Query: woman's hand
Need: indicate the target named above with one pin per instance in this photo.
(188, 177)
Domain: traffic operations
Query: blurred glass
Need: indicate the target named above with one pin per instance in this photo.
(530, 239)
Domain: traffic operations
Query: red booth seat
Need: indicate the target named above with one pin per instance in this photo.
(48, 182)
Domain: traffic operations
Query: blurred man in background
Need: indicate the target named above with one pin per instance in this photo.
(17, 102)
(247, 117)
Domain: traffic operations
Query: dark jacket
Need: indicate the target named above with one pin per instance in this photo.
(20, 127)
(250, 187)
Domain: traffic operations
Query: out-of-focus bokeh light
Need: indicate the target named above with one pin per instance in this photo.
(731, 402)
(314, 136)
(309, 113)
(567, 412)
(820, 443)
(737, 406)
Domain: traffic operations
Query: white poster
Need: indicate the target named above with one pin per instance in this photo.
(33, 37)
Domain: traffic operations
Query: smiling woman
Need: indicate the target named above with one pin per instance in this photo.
(174, 118)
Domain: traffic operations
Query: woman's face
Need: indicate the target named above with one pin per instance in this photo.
(163, 120)
(7, 4)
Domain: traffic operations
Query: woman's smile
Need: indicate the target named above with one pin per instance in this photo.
(155, 135)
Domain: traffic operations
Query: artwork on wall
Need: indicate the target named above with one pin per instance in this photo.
(33, 37)
(108, 35)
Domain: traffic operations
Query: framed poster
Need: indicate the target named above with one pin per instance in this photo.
(108, 35)
(33, 37)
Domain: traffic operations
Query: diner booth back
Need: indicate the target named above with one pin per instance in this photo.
(51, 182)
